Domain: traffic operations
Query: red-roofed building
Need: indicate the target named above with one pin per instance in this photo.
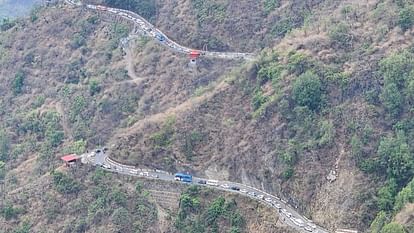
(70, 159)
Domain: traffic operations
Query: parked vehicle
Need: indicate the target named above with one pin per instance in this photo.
(160, 37)
(235, 188)
(243, 190)
(202, 182)
(260, 196)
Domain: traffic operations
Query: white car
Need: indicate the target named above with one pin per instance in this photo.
(313, 226)
(154, 176)
(260, 196)
(268, 199)
(226, 186)
(252, 194)
(308, 229)
(146, 174)
(298, 222)
(133, 172)
(278, 206)
(285, 212)
(243, 190)
(106, 166)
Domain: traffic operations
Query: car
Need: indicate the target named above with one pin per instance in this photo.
(226, 186)
(154, 176)
(141, 174)
(308, 229)
(252, 194)
(285, 212)
(97, 151)
(313, 226)
(260, 196)
(202, 182)
(298, 222)
(268, 199)
(133, 172)
(106, 166)
(243, 190)
(283, 201)
(235, 188)
(146, 174)
(278, 206)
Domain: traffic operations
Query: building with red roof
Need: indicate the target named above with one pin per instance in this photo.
(70, 159)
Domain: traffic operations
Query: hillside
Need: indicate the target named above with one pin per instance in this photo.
(330, 94)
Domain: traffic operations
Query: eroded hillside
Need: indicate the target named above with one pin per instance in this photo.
(330, 95)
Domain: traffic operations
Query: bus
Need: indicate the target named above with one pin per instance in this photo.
(183, 177)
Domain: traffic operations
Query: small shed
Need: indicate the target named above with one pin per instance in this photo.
(70, 159)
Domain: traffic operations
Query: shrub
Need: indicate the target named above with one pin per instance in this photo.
(94, 87)
(406, 18)
(18, 82)
(65, 184)
(392, 99)
(6, 24)
(393, 228)
(270, 5)
(9, 211)
(307, 90)
(341, 36)
(283, 26)
(145, 8)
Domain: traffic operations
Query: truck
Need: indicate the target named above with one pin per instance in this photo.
(212, 182)
(186, 178)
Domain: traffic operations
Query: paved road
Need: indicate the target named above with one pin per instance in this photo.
(146, 28)
(286, 212)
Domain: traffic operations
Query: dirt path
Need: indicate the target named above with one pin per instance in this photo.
(183, 107)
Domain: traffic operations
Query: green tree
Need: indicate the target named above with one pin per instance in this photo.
(94, 87)
(65, 184)
(396, 158)
(380, 220)
(307, 90)
(393, 228)
(341, 36)
(2, 170)
(392, 99)
(18, 82)
(406, 18)
(386, 195)
(4, 145)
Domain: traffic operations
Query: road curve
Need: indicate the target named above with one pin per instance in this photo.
(146, 28)
(287, 213)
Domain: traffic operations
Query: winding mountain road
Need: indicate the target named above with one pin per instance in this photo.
(287, 213)
(144, 27)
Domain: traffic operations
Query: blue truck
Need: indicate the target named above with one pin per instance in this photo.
(183, 177)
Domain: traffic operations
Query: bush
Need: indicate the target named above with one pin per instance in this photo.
(65, 184)
(283, 26)
(94, 87)
(6, 24)
(145, 8)
(307, 90)
(392, 99)
(393, 228)
(270, 5)
(18, 83)
(406, 18)
(396, 158)
(8, 211)
(341, 36)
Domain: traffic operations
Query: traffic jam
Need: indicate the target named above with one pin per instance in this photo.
(270, 200)
(144, 27)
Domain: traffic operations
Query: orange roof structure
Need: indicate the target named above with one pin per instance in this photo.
(70, 158)
(194, 54)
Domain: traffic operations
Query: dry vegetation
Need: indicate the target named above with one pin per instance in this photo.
(321, 97)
